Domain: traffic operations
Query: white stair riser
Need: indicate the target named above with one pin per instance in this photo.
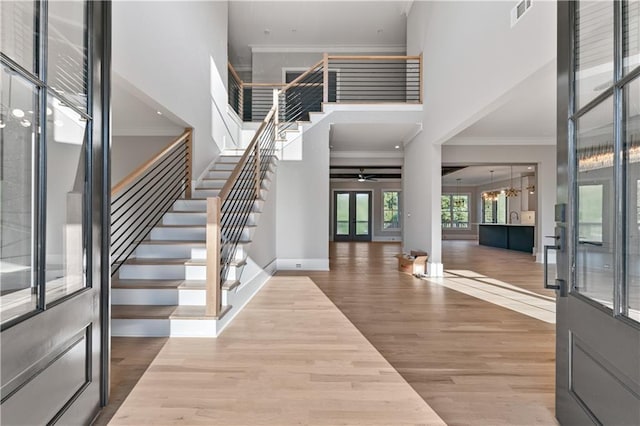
(223, 166)
(244, 193)
(152, 272)
(201, 253)
(144, 296)
(218, 174)
(184, 218)
(230, 158)
(190, 205)
(163, 328)
(227, 296)
(165, 251)
(218, 184)
(149, 296)
(199, 272)
(179, 234)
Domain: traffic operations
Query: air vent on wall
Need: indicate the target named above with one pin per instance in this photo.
(519, 10)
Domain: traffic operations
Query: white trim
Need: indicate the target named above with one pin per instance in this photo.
(435, 270)
(384, 239)
(305, 264)
(501, 141)
(395, 48)
(367, 154)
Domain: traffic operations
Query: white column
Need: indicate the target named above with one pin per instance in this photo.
(422, 188)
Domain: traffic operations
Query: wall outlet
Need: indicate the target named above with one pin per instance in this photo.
(299, 265)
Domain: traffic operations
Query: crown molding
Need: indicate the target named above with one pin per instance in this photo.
(366, 154)
(383, 48)
(463, 141)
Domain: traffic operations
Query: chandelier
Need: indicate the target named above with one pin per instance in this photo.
(511, 191)
(458, 202)
(491, 195)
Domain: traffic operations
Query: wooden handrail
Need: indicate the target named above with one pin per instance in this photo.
(226, 189)
(373, 58)
(234, 73)
(272, 85)
(147, 165)
(303, 75)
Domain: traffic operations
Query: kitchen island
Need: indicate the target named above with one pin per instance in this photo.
(508, 236)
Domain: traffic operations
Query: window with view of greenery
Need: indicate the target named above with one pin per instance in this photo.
(495, 211)
(391, 209)
(590, 212)
(455, 211)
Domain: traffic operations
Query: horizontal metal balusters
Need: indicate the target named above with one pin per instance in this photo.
(141, 199)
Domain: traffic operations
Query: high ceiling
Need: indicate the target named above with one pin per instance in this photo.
(529, 112)
(371, 137)
(290, 24)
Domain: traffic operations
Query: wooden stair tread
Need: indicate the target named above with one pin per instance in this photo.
(146, 284)
(164, 312)
(179, 226)
(230, 284)
(174, 242)
(156, 261)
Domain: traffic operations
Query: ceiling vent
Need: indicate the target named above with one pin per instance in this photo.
(519, 10)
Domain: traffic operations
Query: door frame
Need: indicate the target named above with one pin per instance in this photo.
(352, 235)
(585, 329)
(63, 345)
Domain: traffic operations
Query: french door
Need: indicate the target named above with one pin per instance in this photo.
(598, 213)
(352, 216)
(54, 186)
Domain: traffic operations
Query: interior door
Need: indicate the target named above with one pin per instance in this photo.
(598, 214)
(53, 222)
(352, 216)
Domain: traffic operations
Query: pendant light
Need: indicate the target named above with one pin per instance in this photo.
(491, 195)
(511, 191)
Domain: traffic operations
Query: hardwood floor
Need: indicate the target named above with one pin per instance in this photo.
(514, 267)
(473, 362)
(290, 357)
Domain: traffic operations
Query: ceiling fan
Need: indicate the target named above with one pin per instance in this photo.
(365, 178)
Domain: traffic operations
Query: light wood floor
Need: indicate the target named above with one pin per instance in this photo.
(473, 362)
(290, 357)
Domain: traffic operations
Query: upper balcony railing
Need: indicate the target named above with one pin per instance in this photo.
(334, 79)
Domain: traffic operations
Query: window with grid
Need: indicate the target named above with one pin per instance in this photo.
(455, 211)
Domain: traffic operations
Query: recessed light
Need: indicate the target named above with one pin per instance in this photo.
(293, 30)
(529, 168)
(330, 146)
(2, 124)
(380, 30)
(25, 123)
(267, 31)
(18, 113)
(49, 111)
(159, 112)
(397, 146)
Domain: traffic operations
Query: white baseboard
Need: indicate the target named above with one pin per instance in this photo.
(386, 239)
(435, 270)
(302, 264)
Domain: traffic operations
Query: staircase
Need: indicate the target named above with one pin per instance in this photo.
(160, 289)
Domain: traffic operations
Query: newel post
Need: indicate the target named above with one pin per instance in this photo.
(214, 205)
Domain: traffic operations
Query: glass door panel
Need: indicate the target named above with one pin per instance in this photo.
(17, 32)
(352, 216)
(632, 139)
(362, 214)
(595, 202)
(342, 214)
(631, 34)
(18, 291)
(66, 234)
(594, 49)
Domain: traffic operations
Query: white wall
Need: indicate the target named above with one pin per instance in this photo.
(166, 50)
(472, 57)
(128, 152)
(263, 242)
(544, 156)
(302, 224)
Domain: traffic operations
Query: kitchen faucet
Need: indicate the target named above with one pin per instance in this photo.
(511, 216)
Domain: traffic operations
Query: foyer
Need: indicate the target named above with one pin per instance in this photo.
(400, 339)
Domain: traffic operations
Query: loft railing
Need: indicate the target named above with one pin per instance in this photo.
(334, 79)
(139, 200)
(229, 212)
